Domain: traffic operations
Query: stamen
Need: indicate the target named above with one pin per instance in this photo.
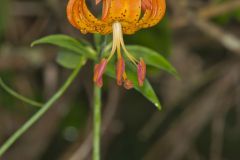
(121, 75)
(98, 72)
(114, 47)
(118, 37)
(141, 69)
(128, 84)
(132, 59)
(120, 70)
(116, 42)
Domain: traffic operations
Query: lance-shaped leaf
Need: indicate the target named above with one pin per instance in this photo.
(146, 90)
(152, 58)
(68, 43)
(68, 59)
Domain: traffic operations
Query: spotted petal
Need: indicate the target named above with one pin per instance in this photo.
(123, 11)
(154, 15)
(80, 17)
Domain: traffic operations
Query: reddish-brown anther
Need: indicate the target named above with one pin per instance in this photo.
(141, 69)
(120, 69)
(128, 84)
(98, 72)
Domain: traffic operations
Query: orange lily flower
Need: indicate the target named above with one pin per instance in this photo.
(118, 17)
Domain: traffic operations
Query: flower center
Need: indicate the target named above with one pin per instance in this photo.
(121, 76)
(118, 43)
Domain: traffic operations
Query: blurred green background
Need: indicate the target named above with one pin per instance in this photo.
(200, 119)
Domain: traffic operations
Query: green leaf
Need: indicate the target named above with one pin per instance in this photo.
(69, 43)
(146, 90)
(68, 59)
(157, 37)
(101, 42)
(152, 58)
(98, 41)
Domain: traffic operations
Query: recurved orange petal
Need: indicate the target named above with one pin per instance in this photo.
(80, 17)
(99, 26)
(76, 19)
(98, 1)
(70, 7)
(146, 4)
(105, 8)
(154, 15)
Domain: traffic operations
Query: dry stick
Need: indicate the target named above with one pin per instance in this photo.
(215, 10)
(152, 124)
(180, 136)
(207, 13)
(218, 125)
(228, 40)
(237, 103)
(198, 19)
(233, 48)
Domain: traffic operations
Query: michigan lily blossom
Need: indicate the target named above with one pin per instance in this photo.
(118, 17)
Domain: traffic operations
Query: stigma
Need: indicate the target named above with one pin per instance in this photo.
(118, 47)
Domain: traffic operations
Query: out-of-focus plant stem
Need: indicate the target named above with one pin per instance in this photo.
(39, 113)
(18, 96)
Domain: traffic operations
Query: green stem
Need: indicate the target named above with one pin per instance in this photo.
(97, 112)
(42, 110)
(96, 123)
(18, 96)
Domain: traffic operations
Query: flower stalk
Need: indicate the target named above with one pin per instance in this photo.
(97, 123)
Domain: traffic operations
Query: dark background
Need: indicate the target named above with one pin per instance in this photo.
(200, 119)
